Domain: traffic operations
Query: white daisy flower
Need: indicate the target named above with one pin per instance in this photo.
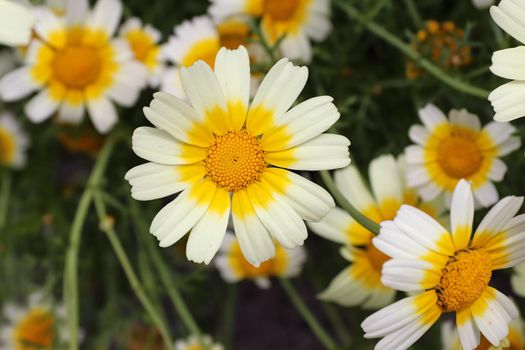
(234, 267)
(144, 42)
(225, 154)
(360, 283)
(448, 271)
(298, 21)
(13, 142)
(482, 4)
(16, 23)
(448, 150)
(514, 341)
(74, 65)
(518, 280)
(507, 99)
(192, 343)
(37, 325)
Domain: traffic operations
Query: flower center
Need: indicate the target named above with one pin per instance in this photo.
(459, 156)
(376, 257)
(36, 330)
(7, 147)
(235, 160)
(77, 66)
(463, 280)
(280, 10)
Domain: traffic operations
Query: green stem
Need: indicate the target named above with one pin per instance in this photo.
(412, 11)
(393, 40)
(167, 280)
(71, 265)
(4, 197)
(134, 282)
(346, 205)
(308, 316)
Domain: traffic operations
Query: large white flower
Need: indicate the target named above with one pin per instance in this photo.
(227, 155)
(13, 142)
(508, 100)
(74, 64)
(449, 271)
(296, 22)
(16, 23)
(449, 149)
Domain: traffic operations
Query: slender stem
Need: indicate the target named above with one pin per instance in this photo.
(130, 273)
(4, 197)
(229, 316)
(346, 205)
(307, 315)
(393, 40)
(71, 265)
(412, 11)
(167, 280)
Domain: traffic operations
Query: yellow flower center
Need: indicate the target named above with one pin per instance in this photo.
(463, 280)
(280, 10)
(235, 160)
(7, 147)
(376, 257)
(459, 156)
(35, 331)
(77, 66)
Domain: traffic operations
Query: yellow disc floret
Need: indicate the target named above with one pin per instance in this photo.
(235, 160)
(35, 330)
(77, 66)
(459, 156)
(463, 280)
(280, 10)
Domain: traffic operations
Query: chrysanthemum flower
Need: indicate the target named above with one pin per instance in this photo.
(38, 325)
(225, 155)
(74, 65)
(518, 280)
(360, 283)
(514, 341)
(234, 267)
(450, 271)
(296, 21)
(144, 42)
(13, 142)
(16, 23)
(192, 343)
(507, 99)
(448, 150)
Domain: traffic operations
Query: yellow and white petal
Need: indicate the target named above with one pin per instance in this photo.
(345, 290)
(425, 230)
(160, 147)
(178, 217)
(296, 46)
(333, 226)
(509, 63)
(17, 84)
(16, 22)
(410, 275)
(508, 101)
(128, 82)
(76, 12)
(254, 239)
(276, 94)
(509, 16)
(497, 170)
(50, 27)
(379, 298)
(301, 123)
(462, 215)
(326, 151)
(507, 248)
(418, 134)
(281, 220)
(169, 113)
(71, 113)
(468, 331)
(206, 236)
(105, 16)
(352, 186)
(518, 280)
(41, 107)
(308, 199)
(499, 132)
(103, 114)
(465, 119)
(151, 180)
(232, 68)
(386, 189)
(432, 117)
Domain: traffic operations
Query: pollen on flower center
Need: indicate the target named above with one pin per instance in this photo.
(463, 280)
(77, 66)
(36, 330)
(377, 258)
(459, 156)
(235, 160)
(280, 10)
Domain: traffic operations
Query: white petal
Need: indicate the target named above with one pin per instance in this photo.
(41, 107)
(508, 101)
(464, 118)
(16, 22)
(106, 16)
(469, 334)
(497, 170)
(297, 47)
(333, 226)
(486, 194)
(385, 179)
(76, 12)
(352, 186)
(103, 114)
(17, 84)
(462, 215)
(509, 16)
(509, 63)
(432, 116)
